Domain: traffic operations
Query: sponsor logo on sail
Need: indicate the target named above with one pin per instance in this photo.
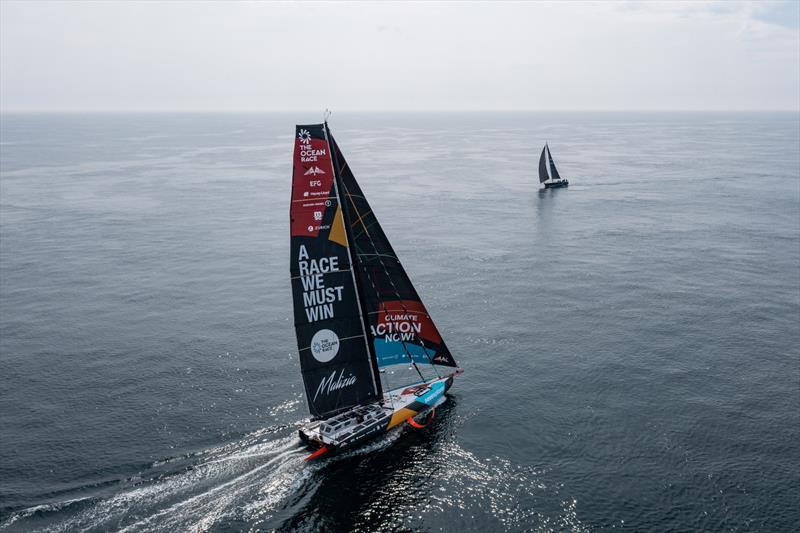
(305, 136)
(324, 345)
(317, 215)
(314, 171)
(333, 383)
(323, 227)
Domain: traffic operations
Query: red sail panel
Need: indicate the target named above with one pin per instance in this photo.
(404, 319)
(312, 183)
(334, 355)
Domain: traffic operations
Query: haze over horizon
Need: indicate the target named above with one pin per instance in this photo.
(199, 56)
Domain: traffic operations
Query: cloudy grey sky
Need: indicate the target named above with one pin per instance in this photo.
(399, 56)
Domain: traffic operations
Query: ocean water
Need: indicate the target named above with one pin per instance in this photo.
(631, 344)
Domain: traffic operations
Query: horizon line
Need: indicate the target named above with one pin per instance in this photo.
(194, 111)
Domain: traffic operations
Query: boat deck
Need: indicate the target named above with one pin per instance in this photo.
(366, 421)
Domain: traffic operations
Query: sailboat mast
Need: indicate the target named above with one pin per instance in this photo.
(376, 384)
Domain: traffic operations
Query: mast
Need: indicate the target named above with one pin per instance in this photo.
(354, 264)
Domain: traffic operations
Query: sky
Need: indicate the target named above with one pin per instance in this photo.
(386, 56)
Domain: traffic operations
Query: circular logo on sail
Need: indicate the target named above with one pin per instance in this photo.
(324, 345)
(305, 136)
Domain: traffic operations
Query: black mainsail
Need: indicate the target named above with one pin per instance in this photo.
(543, 166)
(355, 308)
(335, 357)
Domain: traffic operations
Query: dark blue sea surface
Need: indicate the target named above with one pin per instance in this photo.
(631, 344)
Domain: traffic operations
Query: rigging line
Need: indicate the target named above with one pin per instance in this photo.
(365, 230)
(358, 195)
(361, 217)
(397, 293)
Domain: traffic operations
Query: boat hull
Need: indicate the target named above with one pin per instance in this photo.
(366, 422)
(556, 184)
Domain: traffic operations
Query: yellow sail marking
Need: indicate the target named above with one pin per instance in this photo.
(337, 234)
